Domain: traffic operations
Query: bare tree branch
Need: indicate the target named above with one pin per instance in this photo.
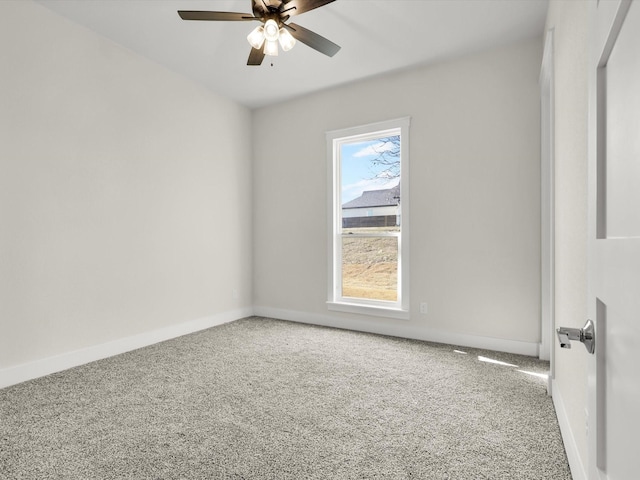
(388, 157)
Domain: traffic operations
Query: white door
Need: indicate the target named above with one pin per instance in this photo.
(614, 243)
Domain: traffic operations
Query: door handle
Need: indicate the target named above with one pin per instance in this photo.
(586, 335)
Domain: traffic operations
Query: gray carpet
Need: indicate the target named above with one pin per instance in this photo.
(268, 399)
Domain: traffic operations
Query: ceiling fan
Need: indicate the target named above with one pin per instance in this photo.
(273, 15)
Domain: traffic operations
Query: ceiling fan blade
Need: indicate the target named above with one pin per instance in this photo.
(255, 57)
(257, 7)
(312, 39)
(296, 7)
(215, 16)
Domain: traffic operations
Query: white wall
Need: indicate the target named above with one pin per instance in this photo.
(569, 20)
(125, 199)
(475, 216)
(126, 195)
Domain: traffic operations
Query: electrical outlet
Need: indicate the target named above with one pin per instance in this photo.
(423, 308)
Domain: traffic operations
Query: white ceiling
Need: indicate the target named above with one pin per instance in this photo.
(376, 36)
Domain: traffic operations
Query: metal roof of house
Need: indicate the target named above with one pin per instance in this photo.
(375, 198)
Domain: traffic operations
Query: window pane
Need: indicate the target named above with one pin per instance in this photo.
(370, 183)
(370, 268)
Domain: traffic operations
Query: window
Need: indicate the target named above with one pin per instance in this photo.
(368, 244)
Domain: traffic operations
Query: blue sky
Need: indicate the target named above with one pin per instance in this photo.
(358, 173)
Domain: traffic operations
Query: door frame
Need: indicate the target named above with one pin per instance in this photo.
(605, 22)
(547, 205)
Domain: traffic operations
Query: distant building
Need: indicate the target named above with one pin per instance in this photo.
(374, 208)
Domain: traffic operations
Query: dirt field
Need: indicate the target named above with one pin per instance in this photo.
(370, 268)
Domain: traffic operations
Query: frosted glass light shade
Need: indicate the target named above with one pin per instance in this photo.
(271, 48)
(271, 30)
(286, 40)
(256, 37)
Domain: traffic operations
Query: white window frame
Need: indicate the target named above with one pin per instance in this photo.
(336, 302)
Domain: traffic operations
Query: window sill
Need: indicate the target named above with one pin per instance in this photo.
(371, 310)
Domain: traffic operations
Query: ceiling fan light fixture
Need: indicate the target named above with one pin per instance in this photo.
(287, 41)
(271, 48)
(271, 30)
(256, 37)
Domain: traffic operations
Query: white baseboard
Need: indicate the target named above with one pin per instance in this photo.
(402, 330)
(578, 471)
(39, 368)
